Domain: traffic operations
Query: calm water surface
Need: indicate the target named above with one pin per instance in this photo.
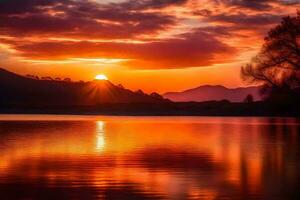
(128, 158)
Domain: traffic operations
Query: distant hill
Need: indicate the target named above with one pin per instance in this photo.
(20, 90)
(213, 93)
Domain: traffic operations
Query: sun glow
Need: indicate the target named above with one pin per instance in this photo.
(101, 77)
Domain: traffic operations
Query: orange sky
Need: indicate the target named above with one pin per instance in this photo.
(161, 46)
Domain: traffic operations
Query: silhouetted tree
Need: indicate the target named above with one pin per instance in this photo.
(249, 99)
(67, 79)
(30, 76)
(277, 65)
(156, 95)
(140, 92)
(47, 78)
(120, 86)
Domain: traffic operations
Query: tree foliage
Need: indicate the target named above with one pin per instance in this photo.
(277, 65)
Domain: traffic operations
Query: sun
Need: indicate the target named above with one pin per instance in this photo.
(101, 77)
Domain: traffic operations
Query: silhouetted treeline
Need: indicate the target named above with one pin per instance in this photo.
(17, 90)
(211, 108)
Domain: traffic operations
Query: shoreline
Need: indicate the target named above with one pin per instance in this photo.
(213, 108)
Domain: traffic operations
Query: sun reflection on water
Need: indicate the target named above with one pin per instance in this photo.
(100, 141)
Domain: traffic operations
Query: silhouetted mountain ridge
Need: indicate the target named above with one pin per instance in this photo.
(214, 93)
(20, 90)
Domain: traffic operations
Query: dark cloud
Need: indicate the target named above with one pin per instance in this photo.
(218, 30)
(8, 7)
(246, 20)
(83, 28)
(249, 4)
(25, 6)
(289, 2)
(258, 5)
(190, 50)
(82, 19)
(231, 24)
(148, 4)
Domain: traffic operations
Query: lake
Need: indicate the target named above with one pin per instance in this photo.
(128, 158)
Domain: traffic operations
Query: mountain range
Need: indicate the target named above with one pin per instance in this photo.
(214, 93)
(31, 90)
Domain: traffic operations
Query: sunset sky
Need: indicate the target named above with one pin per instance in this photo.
(155, 45)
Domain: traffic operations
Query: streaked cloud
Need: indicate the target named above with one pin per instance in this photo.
(145, 34)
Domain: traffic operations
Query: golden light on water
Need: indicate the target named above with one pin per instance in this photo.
(177, 159)
(100, 136)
